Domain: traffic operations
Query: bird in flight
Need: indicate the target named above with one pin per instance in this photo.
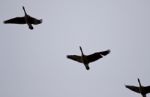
(26, 19)
(143, 90)
(86, 59)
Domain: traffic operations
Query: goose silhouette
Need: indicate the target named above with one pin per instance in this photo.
(143, 90)
(86, 59)
(24, 20)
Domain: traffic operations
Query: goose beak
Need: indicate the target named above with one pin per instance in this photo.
(80, 47)
(138, 80)
(23, 8)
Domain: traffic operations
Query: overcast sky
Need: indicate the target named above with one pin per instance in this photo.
(33, 63)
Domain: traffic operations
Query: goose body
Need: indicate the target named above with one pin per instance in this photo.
(26, 19)
(86, 59)
(143, 90)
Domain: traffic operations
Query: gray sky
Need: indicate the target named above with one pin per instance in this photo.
(33, 63)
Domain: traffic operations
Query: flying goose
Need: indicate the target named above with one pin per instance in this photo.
(24, 20)
(143, 90)
(86, 59)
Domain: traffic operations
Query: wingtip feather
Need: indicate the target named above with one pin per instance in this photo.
(68, 56)
(4, 22)
(104, 53)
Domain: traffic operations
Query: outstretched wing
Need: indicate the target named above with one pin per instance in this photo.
(75, 58)
(104, 53)
(133, 88)
(16, 20)
(94, 57)
(34, 21)
(147, 89)
(97, 55)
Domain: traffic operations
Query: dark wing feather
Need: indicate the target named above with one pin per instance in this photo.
(97, 55)
(16, 20)
(104, 53)
(75, 58)
(147, 89)
(33, 20)
(94, 57)
(133, 88)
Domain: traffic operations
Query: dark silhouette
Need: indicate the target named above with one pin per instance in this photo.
(143, 90)
(86, 59)
(24, 20)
